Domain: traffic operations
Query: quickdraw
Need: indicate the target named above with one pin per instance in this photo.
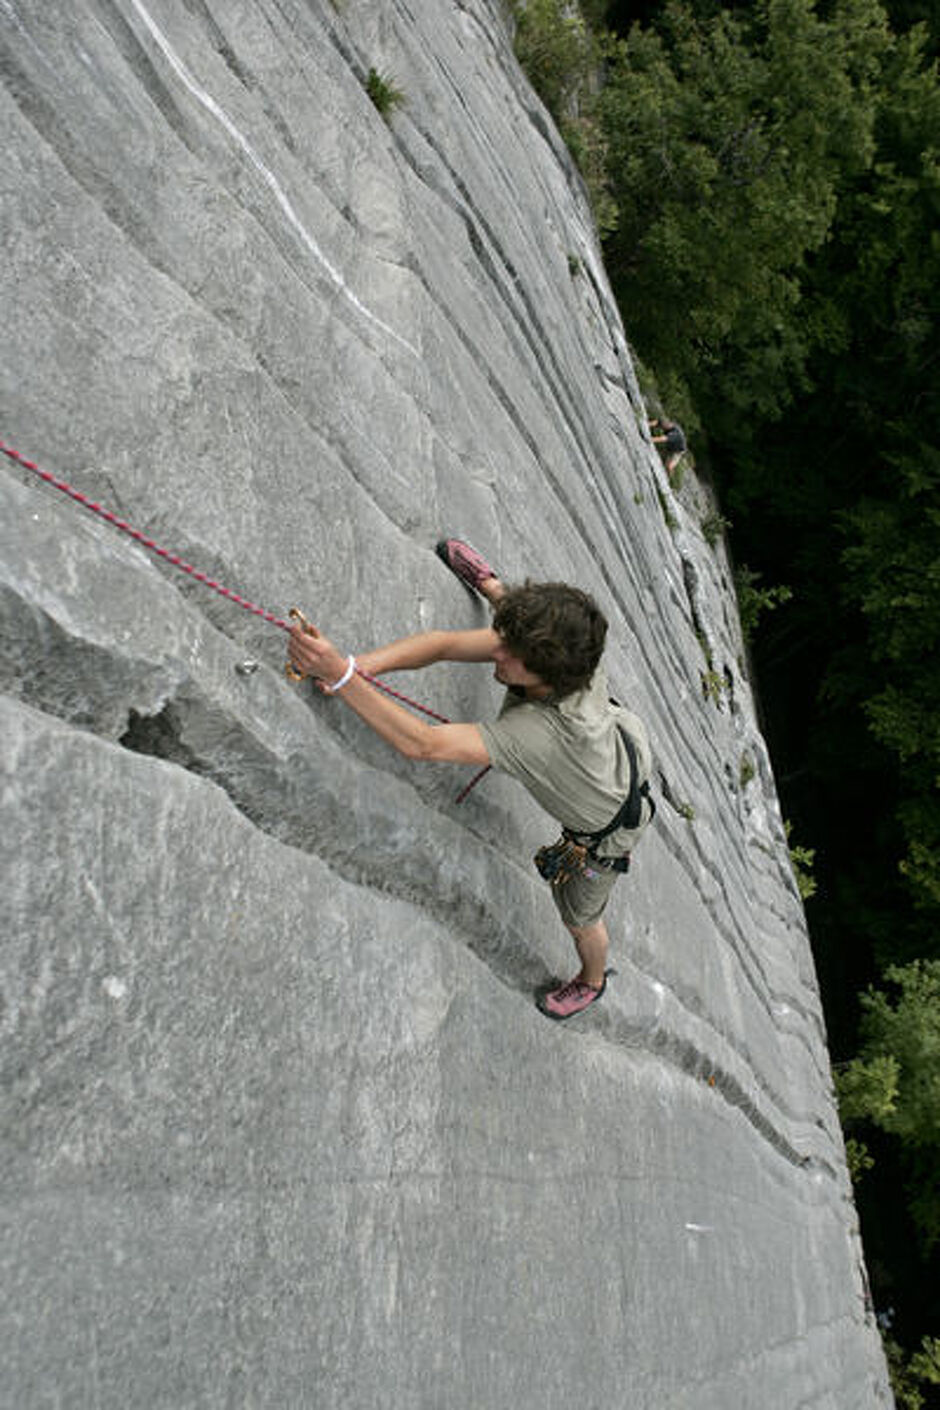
(290, 670)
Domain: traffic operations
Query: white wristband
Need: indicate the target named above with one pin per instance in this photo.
(344, 679)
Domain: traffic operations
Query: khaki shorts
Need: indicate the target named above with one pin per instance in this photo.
(582, 900)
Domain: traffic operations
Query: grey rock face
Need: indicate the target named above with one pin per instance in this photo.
(281, 1124)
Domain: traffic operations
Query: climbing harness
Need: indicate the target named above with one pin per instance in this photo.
(575, 853)
(243, 602)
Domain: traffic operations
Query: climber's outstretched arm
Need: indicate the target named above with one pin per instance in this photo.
(410, 653)
(312, 654)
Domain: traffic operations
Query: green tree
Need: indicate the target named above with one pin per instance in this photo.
(558, 51)
(728, 139)
(754, 600)
(894, 1083)
(563, 55)
(857, 461)
(926, 1363)
(893, 573)
(884, 265)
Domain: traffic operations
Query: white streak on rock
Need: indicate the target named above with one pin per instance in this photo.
(306, 239)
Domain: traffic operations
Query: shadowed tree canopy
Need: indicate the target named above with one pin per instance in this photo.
(730, 140)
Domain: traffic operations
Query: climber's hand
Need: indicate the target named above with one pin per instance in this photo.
(312, 654)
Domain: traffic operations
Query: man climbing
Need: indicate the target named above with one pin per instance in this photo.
(669, 438)
(584, 758)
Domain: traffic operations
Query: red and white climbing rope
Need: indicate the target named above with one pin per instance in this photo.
(87, 503)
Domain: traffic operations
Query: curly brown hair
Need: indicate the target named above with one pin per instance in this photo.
(557, 631)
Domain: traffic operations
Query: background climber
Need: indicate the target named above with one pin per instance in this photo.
(669, 438)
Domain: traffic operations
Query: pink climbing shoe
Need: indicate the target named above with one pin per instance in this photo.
(462, 559)
(571, 998)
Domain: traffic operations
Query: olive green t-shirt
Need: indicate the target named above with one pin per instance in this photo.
(571, 756)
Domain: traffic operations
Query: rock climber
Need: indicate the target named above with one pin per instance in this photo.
(669, 438)
(585, 759)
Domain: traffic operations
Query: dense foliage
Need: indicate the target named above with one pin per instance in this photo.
(768, 176)
(729, 140)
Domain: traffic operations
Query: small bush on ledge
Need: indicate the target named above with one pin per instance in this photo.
(384, 93)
